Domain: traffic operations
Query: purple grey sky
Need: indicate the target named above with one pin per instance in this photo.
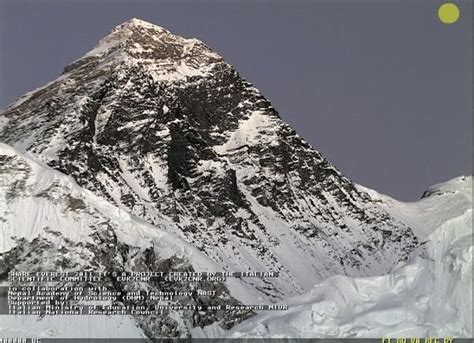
(381, 87)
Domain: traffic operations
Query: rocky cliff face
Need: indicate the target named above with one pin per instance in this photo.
(164, 128)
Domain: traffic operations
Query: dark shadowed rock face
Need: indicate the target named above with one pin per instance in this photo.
(163, 127)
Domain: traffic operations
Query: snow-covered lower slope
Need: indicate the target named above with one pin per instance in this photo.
(429, 296)
(37, 199)
(49, 223)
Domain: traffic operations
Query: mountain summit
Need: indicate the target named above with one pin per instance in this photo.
(163, 128)
(166, 55)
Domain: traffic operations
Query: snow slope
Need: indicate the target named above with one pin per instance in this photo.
(430, 296)
(50, 223)
(438, 204)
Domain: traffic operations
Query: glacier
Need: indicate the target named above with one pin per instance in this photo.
(428, 296)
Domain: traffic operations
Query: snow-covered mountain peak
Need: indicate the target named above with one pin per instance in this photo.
(439, 202)
(137, 42)
(461, 185)
(136, 22)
